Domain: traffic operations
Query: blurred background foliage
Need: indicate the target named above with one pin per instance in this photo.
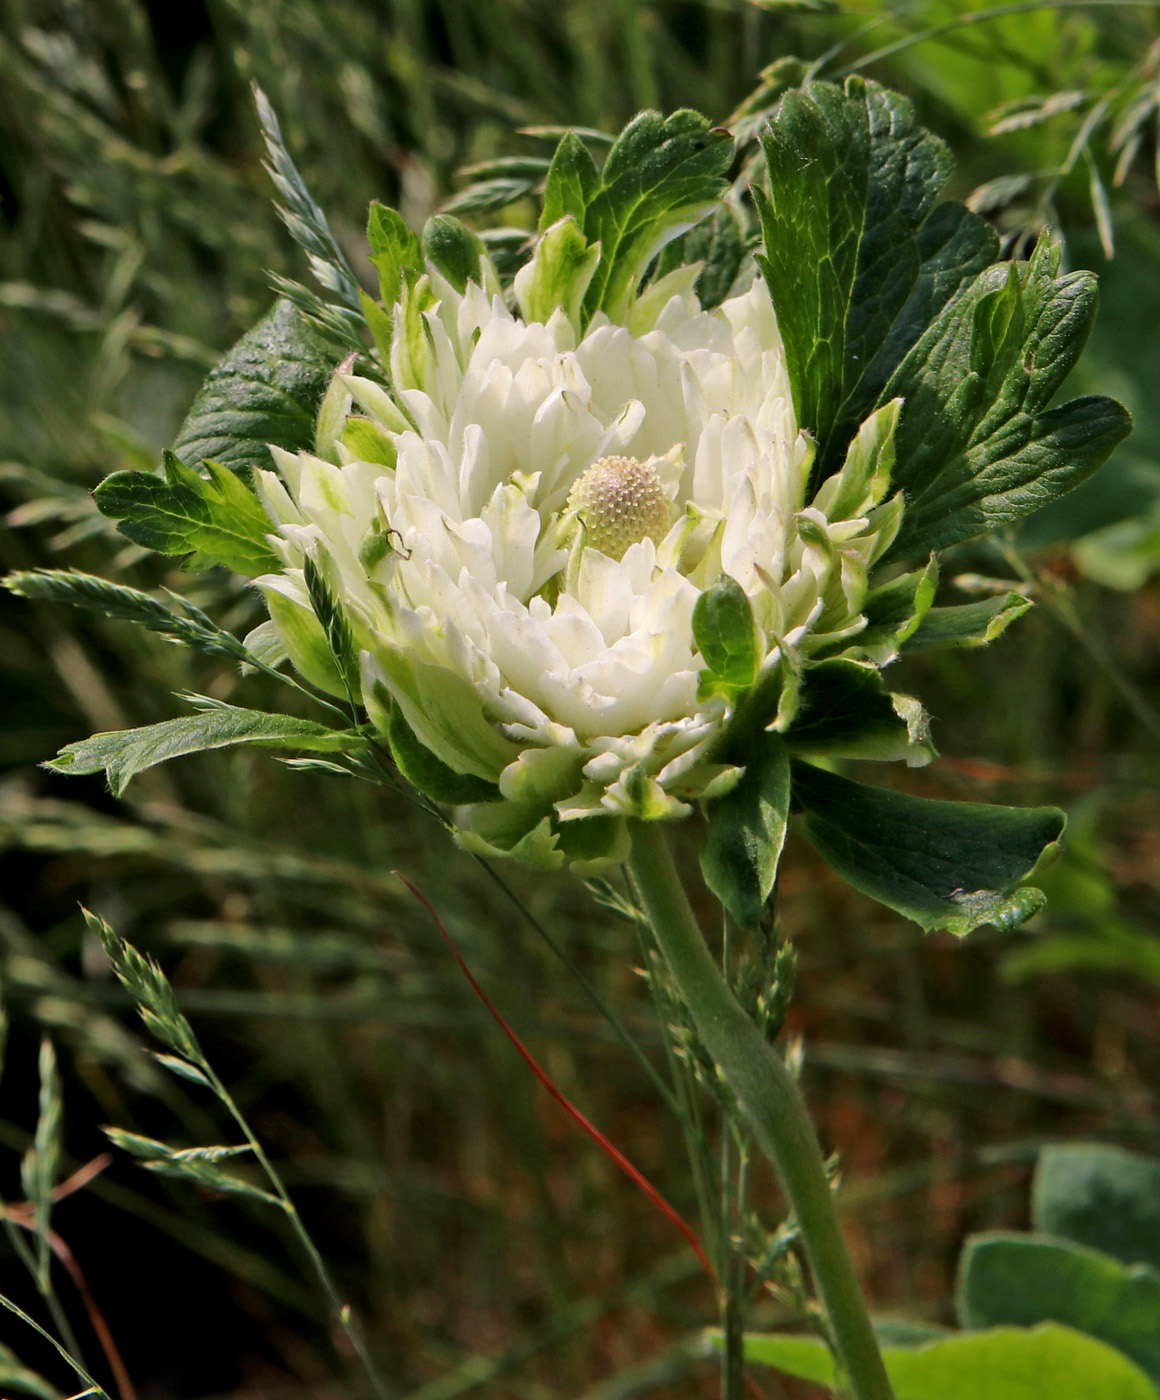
(489, 1249)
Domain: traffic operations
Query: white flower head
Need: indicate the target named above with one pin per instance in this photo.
(519, 535)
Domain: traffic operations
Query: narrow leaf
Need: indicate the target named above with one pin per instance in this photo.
(266, 389)
(952, 865)
(968, 625)
(123, 753)
(215, 519)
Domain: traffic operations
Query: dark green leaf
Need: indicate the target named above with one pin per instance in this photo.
(122, 753)
(894, 611)
(1018, 1280)
(1046, 1363)
(846, 712)
(265, 390)
(453, 249)
(978, 446)
(747, 830)
(969, 625)
(423, 770)
(726, 636)
(486, 196)
(1103, 1197)
(952, 865)
(215, 519)
(663, 175)
(394, 249)
(855, 260)
(572, 182)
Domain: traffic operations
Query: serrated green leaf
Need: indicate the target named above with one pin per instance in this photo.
(846, 712)
(394, 249)
(423, 770)
(952, 865)
(266, 389)
(968, 625)
(726, 636)
(857, 258)
(663, 176)
(571, 183)
(123, 753)
(746, 829)
(894, 611)
(1100, 1196)
(558, 274)
(978, 445)
(1016, 1280)
(214, 519)
(452, 248)
(1044, 1363)
(71, 586)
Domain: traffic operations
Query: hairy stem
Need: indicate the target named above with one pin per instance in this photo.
(771, 1102)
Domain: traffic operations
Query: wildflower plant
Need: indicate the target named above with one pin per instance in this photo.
(620, 523)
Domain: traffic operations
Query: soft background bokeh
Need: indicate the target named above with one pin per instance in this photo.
(492, 1250)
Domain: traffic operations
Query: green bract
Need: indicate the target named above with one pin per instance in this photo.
(635, 534)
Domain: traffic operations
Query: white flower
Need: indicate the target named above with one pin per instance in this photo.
(520, 558)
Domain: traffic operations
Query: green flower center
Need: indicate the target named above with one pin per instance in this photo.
(620, 502)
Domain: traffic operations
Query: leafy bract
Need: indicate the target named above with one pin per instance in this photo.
(747, 830)
(266, 389)
(423, 770)
(1100, 1196)
(394, 249)
(122, 753)
(215, 519)
(978, 445)
(1007, 1363)
(1019, 1280)
(968, 624)
(857, 258)
(726, 635)
(846, 712)
(663, 175)
(452, 247)
(952, 865)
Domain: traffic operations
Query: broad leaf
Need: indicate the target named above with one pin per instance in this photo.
(1019, 1280)
(747, 830)
(978, 445)
(856, 262)
(1045, 1363)
(215, 519)
(952, 865)
(663, 175)
(1103, 1197)
(265, 390)
(968, 625)
(123, 753)
(726, 636)
(571, 184)
(846, 712)
(423, 770)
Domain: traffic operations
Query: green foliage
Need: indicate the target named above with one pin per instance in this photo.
(425, 771)
(968, 624)
(123, 753)
(214, 519)
(952, 865)
(453, 249)
(1102, 1197)
(846, 712)
(1045, 1363)
(746, 829)
(266, 389)
(978, 445)
(1020, 1280)
(199, 1165)
(395, 250)
(857, 263)
(726, 635)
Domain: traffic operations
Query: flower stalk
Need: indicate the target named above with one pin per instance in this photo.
(770, 1100)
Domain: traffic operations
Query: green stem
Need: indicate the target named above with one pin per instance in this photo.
(770, 1100)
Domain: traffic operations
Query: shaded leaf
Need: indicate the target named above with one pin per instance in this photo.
(967, 625)
(453, 249)
(952, 865)
(1100, 1196)
(746, 829)
(726, 635)
(846, 712)
(423, 770)
(215, 519)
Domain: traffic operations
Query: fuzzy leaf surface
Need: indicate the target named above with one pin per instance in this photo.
(952, 865)
(747, 828)
(267, 388)
(215, 519)
(856, 256)
(1018, 1280)
(1044, 1363)
(967, 625)
(123, 753)
(846, 712)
